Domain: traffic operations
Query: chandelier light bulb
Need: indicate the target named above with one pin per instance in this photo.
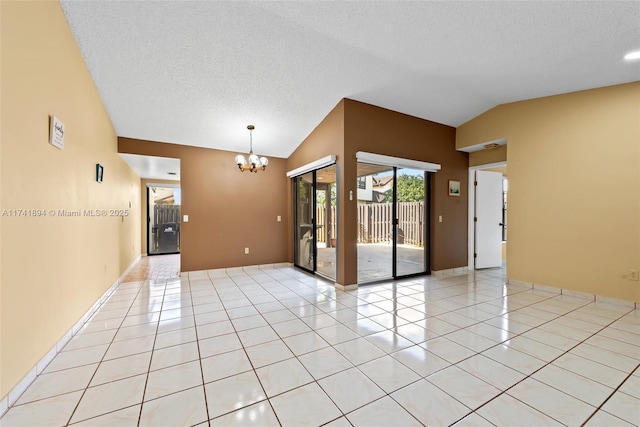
(254, 162)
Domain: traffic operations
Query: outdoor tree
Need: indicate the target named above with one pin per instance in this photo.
(410, 189)
(320, 196)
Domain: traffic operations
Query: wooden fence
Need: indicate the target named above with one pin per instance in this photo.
(321, 219)
(166, 213)
(374, 223)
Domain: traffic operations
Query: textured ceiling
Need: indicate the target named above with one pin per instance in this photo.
(197, 73)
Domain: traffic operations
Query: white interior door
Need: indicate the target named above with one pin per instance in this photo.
(488, 227)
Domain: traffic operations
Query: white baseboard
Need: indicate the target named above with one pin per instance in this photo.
(450, 271)
(346, 288)
(231, 271)
(14, 394)
(616, 301)
(577, 294)
(545, 288)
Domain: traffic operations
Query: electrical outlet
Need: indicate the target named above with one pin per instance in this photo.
(633, 275)
(246, 251)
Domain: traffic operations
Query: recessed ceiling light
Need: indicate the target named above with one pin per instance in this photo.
(632, 56)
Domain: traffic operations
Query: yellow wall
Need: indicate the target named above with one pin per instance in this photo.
(53, 269)
(485, 157)
(574, 187)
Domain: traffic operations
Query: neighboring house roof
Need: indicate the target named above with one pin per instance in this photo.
(382, 181)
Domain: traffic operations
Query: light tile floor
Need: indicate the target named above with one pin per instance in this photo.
(154, 267)
(274, 346)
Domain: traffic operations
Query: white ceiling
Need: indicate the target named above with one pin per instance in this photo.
(154, 167)
(197, 73)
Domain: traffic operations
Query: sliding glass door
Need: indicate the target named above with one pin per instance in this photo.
(375, 222)
(393, 222)
(304, 228)
(315, 221)
(326, 221)
(411, 222)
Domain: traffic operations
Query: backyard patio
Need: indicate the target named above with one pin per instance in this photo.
(375, 261)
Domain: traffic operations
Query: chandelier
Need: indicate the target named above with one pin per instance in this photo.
(255, 163)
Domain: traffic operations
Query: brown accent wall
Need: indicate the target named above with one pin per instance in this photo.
(326, 139)
(354, 126)
(381, 131)
(54, 268)
(228, 209)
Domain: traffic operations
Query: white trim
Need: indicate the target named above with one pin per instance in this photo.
(576, 294)
(545, 288)
(318, 164)
(379, 159)
(615, 301)
(472, 209)
(14, 394)
(346, 288)
(449, 271)
(519, 283)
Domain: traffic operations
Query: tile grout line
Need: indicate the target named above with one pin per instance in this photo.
(307, 293)
(155, 337)
(547, 364)
(253, 369)
(610, 396)
(105, 352)
(195, 328)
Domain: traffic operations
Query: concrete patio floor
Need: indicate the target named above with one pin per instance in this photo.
(375, 261)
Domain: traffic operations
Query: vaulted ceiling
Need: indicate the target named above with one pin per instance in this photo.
(197, 72)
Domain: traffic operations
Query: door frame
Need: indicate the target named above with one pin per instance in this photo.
(312, 210)
(428, 194)
(313, 169)
(472, 209)
(147, 211)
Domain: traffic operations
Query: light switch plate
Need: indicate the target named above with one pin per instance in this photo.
(185, 218)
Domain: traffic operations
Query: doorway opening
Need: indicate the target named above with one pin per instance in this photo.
(163, 219)
(488, 186)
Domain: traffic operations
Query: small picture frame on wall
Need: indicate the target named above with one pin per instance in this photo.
(454, 188)
(99, 173)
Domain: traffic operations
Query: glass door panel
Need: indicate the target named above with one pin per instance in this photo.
(326, 221)
(163, 221)
(411, 215)
(304, 228)
(375, 222)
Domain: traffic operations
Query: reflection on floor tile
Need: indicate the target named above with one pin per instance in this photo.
(273, 346)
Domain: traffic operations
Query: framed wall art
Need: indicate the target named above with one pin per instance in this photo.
(454, 188)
